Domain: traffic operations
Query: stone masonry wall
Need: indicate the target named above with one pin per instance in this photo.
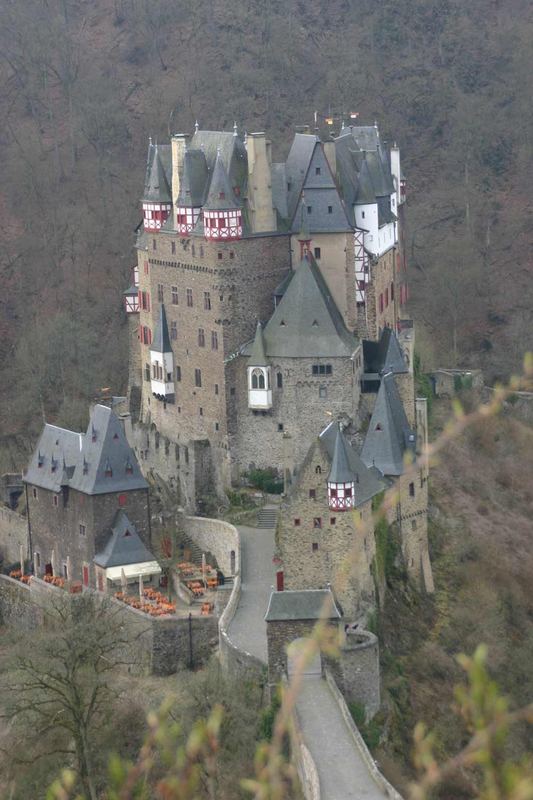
(232, 285)
(57, 527)
(13, 535)
(339, 552)
(219, 538)
(382, 275)
(301, 409)
(357, 672)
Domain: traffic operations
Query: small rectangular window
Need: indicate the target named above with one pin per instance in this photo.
(411, 490)
(207, 301)
(197, 377)
(147, 375)
(178, 374)
(296, 522)
(332, 520)
(309, 209)
(392, 292)
(173, 330)
(279, 380)
(34, 493)
(322, 392)
(173, 248)
(214, 340)
(312, 493)
(317, 522)
(189, 298)
(216, 426)
(220, 254)
(201, 411)
(55, 500)
(232, 391)
(330, 209)
(174, 295)
(83, 530)
(317, 170)
(231, 254)
(280, 426)
(201, 337)
(37, 560)
(315, 547)
(160, 292)
(154, 244)
(216, 388)
(317, 253)
(146, 268)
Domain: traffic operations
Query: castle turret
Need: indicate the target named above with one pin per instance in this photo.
(341, 479)
(157, 197)
(222, 215)
(162, 361)
(191, 192)
(131, 295)
(259, 379)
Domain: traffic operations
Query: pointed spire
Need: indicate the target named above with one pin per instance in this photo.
(161, 342)
(156, 189)
(220, 195)
(196, 126)
(340, 471)
(235, 131)
(258, 355)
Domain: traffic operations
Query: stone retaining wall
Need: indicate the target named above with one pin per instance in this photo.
(17, 605)
(388, 790)
(216, 537)
(13, 535)
(303, 760)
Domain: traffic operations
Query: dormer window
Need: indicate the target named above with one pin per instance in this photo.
(93, 434)
(108, 472)
(129, 468)
(378, 427)
(85, 467)
(40, 460)
(115, 436)
(54, 465)
(222, 196)
(127, 533)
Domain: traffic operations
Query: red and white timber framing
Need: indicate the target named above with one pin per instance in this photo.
(155, 214)
(223, 224)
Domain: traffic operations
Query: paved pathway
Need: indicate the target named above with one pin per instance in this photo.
(247, 630)
(342, 772)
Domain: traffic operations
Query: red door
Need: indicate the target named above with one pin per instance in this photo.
(279, 581)
(85, 575)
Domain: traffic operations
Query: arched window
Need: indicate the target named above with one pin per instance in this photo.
(318, 469)
(258, 379)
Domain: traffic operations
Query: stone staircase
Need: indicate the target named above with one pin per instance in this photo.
(267, 517)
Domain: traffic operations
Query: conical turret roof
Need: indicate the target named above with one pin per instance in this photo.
(341, 471)
(220, 195)
(365, 193)
(389, 435)
(161, 341)
(194, 179)
(156, 187)
(257, 355)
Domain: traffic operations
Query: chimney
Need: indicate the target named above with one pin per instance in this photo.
(395, 169)
(179, 143)
(329, 152)
(261, 211)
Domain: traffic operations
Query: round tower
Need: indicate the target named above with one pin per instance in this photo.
(157, 197)
(222, 215)
(341, 478)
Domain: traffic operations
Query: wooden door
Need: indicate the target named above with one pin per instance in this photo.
(85, 575)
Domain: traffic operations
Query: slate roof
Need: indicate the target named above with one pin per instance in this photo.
(296, 167)
(124, 545)
(232, 152)
(389, 436)
(385, 213)
(384, 356)
(305, 604)
(220, 194)
(157, 185)
(80, 460)
(193, 181)
(306, 322)
(279, 188)
(257, 355)
(367, 482)
(161, 340)
(341, 470)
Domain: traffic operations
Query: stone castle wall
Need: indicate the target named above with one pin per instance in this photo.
(13, 535)
(339, 552)
(382, 276)
(57, 527)
(301, 409)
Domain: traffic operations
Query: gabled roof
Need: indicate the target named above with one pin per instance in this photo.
(161, 340)
(156, 186)
(322, 209)
(193, 182)
(389, 436)
(367, 482)
(306, 322)
(257, 354)
(220, 194)
(304, 604)
(232, 151)
(297, 165)
(81, 460)
(124, 545)
(385, 355)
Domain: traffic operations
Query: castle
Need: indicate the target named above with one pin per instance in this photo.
(267, 302)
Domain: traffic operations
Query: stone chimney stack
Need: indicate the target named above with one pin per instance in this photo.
(395, 169)
(331, 156)
(262, 214)
(179, 144)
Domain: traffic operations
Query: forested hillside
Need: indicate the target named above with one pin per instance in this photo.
(82, 85)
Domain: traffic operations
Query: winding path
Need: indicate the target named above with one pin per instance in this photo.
(342, 772)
